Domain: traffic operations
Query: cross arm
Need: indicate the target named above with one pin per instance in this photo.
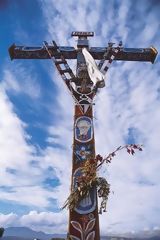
(23, 52)
(125, 54)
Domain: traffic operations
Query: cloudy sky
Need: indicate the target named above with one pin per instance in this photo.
(36, 114)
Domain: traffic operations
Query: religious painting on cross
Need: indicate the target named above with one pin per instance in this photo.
(83, 129)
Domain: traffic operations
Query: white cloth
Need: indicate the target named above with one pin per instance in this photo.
(94, 73)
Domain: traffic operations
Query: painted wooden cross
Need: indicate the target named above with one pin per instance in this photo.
(83, 219)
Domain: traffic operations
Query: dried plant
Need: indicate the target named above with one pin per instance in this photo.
(89, 179)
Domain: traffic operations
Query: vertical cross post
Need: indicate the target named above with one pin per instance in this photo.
(84, 219)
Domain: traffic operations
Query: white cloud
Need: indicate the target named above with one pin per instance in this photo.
(39, 221)
(28, 196)
(8, 219)
(14, 147)
(17, 81)
(46, 221)
(16, 172)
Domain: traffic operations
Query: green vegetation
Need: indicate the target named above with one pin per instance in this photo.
(1, 231)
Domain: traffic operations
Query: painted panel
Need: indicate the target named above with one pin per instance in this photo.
(88, 204)
(86, 229)
(83, 129)
(82, 152)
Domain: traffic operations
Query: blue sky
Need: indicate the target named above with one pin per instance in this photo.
(37, 114)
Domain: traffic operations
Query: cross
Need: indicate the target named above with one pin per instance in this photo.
(83, 218)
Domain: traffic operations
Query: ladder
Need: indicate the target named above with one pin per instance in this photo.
(104, 65)
(64, 70)
(61, 65)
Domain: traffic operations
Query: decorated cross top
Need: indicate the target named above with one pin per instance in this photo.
(90, 76)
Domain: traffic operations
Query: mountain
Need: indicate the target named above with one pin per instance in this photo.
(124, 238)
(145, 234)
(24, 233)
(15, 238)
(27, 234)
(130, 238)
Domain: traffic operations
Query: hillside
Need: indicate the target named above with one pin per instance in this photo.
(24, 233)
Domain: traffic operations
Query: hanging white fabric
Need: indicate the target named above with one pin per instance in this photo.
(96, 76)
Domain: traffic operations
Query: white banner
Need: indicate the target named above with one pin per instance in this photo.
(94, 73)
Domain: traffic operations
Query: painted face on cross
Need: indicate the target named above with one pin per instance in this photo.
(83, 127)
